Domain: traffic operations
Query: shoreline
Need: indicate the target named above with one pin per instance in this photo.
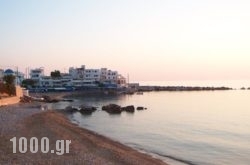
(87, 146)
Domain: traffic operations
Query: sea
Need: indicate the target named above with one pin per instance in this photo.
(180, 127)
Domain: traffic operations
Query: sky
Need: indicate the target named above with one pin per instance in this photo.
(151, 40)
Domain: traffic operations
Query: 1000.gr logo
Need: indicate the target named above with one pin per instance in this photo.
(62, 146)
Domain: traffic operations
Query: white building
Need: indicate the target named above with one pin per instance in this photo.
(80, 77)
(19, 77)
(77, 73)
(37, 74)
(92, 75)
(102, 75)
(48, 82)
(121, 81)
(112, 76)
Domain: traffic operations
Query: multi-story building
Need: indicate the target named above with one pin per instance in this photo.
(112, 76)
(102, 75)
(121, 81)
(92, 75)
(37, 75)
(80, 77)
(77, 73)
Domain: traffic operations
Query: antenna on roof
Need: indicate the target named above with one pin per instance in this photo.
(128, 78)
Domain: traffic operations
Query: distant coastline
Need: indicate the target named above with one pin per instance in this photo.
(235, 84)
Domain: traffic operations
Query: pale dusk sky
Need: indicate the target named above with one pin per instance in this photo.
(147, 39)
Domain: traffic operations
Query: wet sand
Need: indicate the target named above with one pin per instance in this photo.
(87, 147)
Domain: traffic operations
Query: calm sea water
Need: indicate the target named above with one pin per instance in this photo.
(205, 127)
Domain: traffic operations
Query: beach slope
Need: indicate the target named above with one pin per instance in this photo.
(86, 146)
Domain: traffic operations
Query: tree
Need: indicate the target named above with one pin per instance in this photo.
(10, 84)
(55, 74)
(28, 83)
(2, 88)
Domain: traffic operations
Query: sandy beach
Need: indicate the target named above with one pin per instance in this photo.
(87, 147)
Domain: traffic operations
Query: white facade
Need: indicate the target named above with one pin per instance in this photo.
(79, 77)
(77, 73)
(49, 82)
(19, 77)
(121, 81)
(92, 75)
(36, 74)
(112, 76)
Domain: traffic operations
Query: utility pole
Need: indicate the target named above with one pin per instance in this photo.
(128, 78)
(17, 83)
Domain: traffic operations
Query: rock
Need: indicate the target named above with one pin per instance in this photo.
(25, 99)
(53, 101)
(112, 108)
(48, 99)
(87, 109)
(71, 109)
(67, 100)
(129, 108)
(140, 108)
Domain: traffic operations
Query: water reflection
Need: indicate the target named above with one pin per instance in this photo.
(193, 126)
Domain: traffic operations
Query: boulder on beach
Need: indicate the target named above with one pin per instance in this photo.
(112, 108)
(129, 108)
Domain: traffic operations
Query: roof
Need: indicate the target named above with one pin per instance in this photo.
(9, 71)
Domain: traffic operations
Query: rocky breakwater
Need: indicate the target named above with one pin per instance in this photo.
(117, 109)
(180, 88)
(110, 108)
(83, 109)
